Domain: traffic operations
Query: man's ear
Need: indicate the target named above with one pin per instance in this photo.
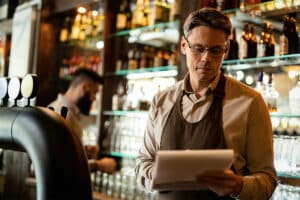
(227, 47)
(183, 45)
(83, 87)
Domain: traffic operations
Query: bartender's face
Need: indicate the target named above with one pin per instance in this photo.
(204, 48)
(89, 95)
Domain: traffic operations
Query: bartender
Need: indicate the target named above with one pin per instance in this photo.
(78, 100)
(209, 110)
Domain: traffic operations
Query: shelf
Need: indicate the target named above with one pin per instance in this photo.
(257, 63)
(288, 175)
(90, 44)
(100, 196)
(157, 35)
(125, 113)
(166, 25)
(287, 115)
(120, 155)
(163, 71)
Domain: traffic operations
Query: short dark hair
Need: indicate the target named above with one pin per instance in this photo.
(85, 74)
(207, 17)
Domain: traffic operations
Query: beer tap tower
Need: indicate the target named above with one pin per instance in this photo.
(59, 161)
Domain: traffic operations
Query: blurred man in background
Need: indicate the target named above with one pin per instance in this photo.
(78, 100)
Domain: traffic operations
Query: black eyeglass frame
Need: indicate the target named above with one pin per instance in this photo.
(215, 51)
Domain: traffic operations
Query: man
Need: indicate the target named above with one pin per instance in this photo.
(208, 110)
(78, 100)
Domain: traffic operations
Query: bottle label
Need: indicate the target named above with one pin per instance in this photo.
(261, 50)
(243, 51)
(283, 45)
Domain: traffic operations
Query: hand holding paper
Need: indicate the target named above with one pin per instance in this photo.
(178, 169)
(221, 182)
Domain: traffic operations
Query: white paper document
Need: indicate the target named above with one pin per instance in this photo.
(177, 169)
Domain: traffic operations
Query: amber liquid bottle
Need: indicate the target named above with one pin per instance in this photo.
(284, 37)
(244, 41)
(122, 17)
(234, 47)
(293, 37)
(270, 47)
(252, 43)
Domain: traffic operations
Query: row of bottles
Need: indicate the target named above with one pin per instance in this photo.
(286, 192)
(121, 185)
(146, 13)
(75, 61)
(139, 93)
(289, 41)
(86, 24)
(143, 56)
(286, 156)
(266, 86)
(125, 133)
(250, 47)
(268, 91)
(286, 126)
(241, 4)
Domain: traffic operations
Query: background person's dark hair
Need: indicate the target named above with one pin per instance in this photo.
(207, 17)
(82, 74)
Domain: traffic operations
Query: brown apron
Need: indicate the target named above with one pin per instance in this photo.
(205, 134)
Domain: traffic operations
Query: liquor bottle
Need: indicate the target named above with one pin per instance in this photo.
(144, 58)
(147, 13)
(166, 10)
(293, 37)
(132, 62)
(138, 14)
(122, 16)
(270, 47)
(233, 52)
(252, 43)
(175, 10)
(117, 98)
(283, 39)
(244, 40)
(166, 57)
(262, 43)
(294, 98)
(64, 32)
(260, 84)
(174, 55)
(75, 31)
(158, 59)
(89, 24)
(83, 26)
(271, 94)
(157, 16)
(100, 21)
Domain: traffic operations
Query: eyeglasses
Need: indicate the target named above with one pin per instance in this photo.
(200, 50)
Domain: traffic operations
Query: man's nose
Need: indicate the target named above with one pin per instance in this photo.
(206, 55)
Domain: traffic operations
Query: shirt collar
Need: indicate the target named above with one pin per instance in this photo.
(211, 87)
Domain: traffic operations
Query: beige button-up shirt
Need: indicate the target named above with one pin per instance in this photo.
(247, 130)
